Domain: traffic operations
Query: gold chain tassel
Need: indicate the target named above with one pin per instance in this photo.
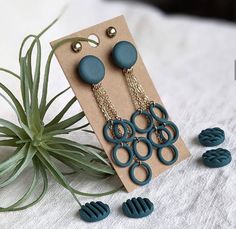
(138, 95)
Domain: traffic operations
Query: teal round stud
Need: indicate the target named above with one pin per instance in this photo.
(91, 70)
(148, 172)
(94, 211)
(124, 55)
(211, 136)
(137, 207)
(216, 158)
(174, 152)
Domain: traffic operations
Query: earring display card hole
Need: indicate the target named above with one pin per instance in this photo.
(115, 84)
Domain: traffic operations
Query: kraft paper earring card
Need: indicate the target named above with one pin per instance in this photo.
(120, 102)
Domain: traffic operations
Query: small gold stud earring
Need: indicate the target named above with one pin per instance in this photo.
(111, 31)
(76, 46)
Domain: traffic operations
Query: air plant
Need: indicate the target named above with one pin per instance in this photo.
(37, 143)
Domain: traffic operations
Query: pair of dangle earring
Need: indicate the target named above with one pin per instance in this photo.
(124, 55)
(118, 131)
(121, 132)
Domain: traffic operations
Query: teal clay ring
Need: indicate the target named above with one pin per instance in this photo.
(124, 55)
(148, 172)
(149, 148)
(159, 129)
(115, 157)
(211, 136)
(216, 158)
(130, 131)
(175, 135)
(174, 152)
(164, 117)
(148, 118)
(91, 70)
(108, 127)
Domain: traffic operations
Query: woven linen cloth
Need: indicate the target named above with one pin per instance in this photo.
(191, 62)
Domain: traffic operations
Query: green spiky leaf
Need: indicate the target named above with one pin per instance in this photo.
(43, 144)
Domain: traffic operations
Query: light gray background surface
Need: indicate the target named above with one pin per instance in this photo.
(191, 62)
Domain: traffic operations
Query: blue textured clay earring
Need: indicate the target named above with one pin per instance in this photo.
(116, 130)
(124, 55)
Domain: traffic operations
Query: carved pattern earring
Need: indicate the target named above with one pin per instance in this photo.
(117, 131)
(125, 55)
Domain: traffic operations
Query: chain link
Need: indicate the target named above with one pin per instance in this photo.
(139, 98)
(104, 102)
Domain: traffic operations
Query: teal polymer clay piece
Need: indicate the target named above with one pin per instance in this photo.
(163, 111)
(216, 158)
(148, 173)
(94, 211)
(116, 159)
(124, 54)
(174, 153)
(175, 130)
(137, 207)
(211, 136)
(166, 142)
(149, 148)
(91, 69)
(149, 118)
(117, 138)
(130, 131)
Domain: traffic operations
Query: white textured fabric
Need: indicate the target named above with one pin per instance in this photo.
(191, 62)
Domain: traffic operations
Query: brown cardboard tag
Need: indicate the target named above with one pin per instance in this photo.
(115, 84)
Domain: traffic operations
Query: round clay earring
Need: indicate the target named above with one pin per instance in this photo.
(91, 70)
(116, 130)
(124, 55)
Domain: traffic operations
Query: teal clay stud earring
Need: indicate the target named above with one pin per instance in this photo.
(124, 55)
(91, 70)
(216, 158)
(211, 136)
(137, 207)
(94, 211)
